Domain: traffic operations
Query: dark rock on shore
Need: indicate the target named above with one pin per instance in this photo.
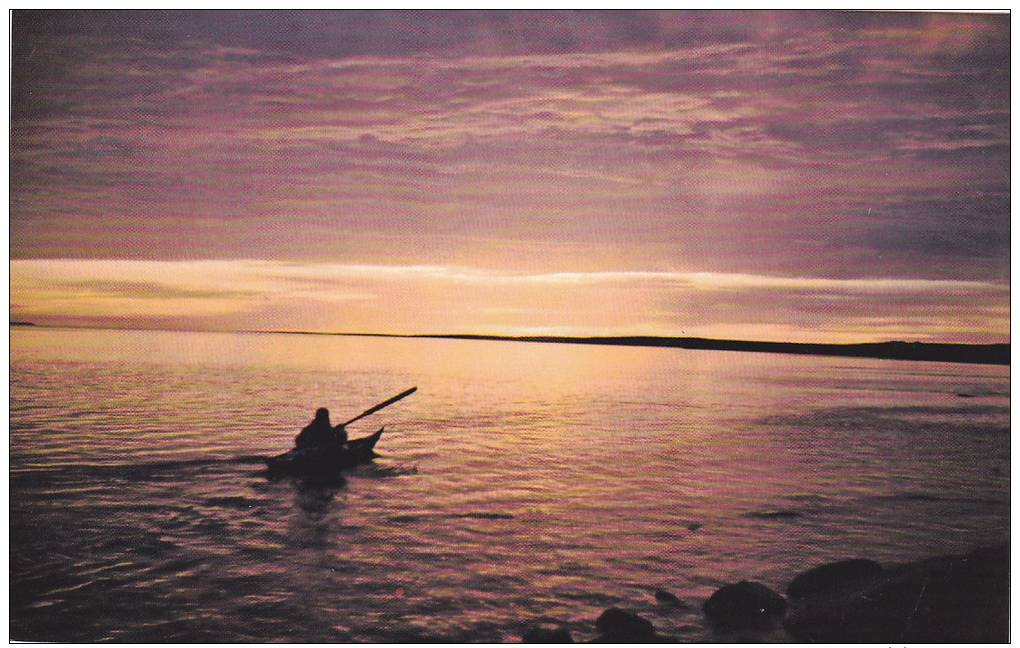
(950, 599)
(618, 626)
(832, 576)
(668, 599)
(744, 604)
(548, 635)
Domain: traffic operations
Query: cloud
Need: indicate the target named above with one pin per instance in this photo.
(146, 290)
(441, 299)
(546, 146)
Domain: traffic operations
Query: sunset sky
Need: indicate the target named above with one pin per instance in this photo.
(795, 176)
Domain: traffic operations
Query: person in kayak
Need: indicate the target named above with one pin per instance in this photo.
(319, 434)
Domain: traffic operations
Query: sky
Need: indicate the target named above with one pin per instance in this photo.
(804, 176)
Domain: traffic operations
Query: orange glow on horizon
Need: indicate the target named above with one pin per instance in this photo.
(267, 295)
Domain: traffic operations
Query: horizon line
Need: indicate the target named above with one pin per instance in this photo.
(959, 352)
(997, 353)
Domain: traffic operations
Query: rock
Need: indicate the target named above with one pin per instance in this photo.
(744, 604)
(547, 635)
(618, 626)
(949, 599)
(664, 597)
(781, 514)
(832, 576)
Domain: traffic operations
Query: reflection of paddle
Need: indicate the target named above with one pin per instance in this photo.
(381, 405)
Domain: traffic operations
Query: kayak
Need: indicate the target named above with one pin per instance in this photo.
(305, 462)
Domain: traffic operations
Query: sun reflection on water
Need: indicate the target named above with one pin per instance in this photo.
(521, 482)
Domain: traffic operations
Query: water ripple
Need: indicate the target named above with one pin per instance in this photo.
(521, 484)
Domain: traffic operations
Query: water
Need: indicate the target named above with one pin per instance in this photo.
(522, 483)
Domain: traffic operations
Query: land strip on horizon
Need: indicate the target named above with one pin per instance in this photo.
(997, 354)
(923, 351)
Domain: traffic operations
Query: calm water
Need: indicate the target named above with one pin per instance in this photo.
(522, 483)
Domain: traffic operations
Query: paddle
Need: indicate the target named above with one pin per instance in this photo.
(381, 405)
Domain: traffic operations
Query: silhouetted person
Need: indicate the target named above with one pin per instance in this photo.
(319, 434)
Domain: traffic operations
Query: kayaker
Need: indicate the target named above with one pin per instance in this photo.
(320, 434)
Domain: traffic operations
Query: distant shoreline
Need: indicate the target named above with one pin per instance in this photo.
(987, 354)
(997, 354)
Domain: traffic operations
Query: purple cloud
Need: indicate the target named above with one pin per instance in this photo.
(834, 144)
